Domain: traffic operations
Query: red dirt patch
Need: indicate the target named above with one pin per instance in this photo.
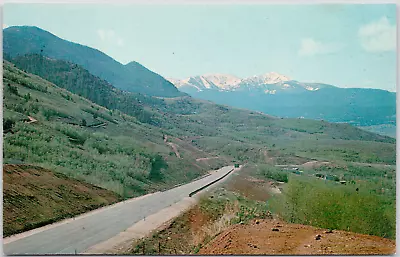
(294, 239)
(178, 237)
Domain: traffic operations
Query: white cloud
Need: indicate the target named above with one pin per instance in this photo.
(310, 47)
(109, 36)
(378, 36)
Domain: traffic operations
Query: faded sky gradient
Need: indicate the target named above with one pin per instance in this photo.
(343, 45)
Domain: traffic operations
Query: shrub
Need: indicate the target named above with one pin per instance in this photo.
(13, 90)
(272, 173)
(27, 97)
(8, 124)
(157, 163)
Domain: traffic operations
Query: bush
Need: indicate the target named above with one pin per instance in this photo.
(272, 173)
(157, 163)
(13, 90)
(8, 124)
(27, 97)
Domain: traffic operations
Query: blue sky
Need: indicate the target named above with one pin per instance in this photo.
(343, 45)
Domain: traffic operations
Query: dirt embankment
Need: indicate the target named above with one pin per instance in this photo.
(272, 237)
(34, 197)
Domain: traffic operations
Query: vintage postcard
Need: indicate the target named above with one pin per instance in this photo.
(199, 129)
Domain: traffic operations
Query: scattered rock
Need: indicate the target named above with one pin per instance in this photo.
(169, 238)
(257, 222)
(275, 229)
(307, 246)
(329, 231)
(318, 237)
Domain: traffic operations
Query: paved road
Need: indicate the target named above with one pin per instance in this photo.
(75, 236)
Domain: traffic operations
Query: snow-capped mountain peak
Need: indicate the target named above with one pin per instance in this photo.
(223, 81)
(208, 81)
(268, 78)
(268, 83)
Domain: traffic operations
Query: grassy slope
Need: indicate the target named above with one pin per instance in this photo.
(34, 197)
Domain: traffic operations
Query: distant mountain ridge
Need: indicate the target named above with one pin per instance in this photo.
(268, 83)
(279, 95)
(133, 77)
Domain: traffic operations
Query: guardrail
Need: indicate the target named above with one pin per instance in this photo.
(184, 183)
(209, 184)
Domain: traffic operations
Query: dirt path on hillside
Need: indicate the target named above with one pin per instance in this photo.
(175, 149)
(294, 239)
(206, 158)
(314, 164)
(31, 120)
(173, 146)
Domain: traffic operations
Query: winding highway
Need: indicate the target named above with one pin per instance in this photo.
(80, 233)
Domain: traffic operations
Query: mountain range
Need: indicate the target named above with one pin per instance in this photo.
(271, 93)
(279, 95)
